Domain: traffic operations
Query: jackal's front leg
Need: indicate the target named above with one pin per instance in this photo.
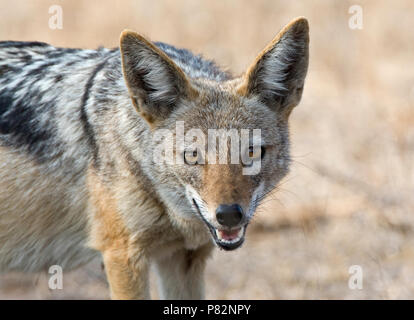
(128, 279)
(181, 275)
(125, 262)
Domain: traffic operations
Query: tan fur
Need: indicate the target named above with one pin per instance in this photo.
(110, 236)
(221, 185)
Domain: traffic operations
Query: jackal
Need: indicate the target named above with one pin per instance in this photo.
(77, 174)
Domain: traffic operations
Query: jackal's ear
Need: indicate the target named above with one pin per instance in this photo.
(154, 81)
(277, 76)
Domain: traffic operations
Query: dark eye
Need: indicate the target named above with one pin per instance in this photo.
(255, 155)
(251, 152)
(191, 157)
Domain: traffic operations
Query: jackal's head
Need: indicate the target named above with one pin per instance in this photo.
(202, 177)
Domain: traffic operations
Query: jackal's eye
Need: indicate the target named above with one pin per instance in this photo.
(254, 154)
(191, 157)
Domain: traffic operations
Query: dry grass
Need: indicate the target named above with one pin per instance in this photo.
(349, 198)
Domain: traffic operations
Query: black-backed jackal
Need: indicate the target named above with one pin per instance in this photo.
(78, 176)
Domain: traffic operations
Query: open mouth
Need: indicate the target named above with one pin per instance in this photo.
(227, 239)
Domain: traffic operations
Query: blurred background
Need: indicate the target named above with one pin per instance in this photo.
(349, 198)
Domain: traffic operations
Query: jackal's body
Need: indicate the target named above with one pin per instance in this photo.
(52, 101)
(77, 176)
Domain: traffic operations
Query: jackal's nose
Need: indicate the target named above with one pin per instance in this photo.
(229, 215)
